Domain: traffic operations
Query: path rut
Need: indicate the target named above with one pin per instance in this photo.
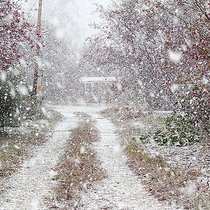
(121, 189)
(28, 188)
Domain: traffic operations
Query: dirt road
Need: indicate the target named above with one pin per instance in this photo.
(29, 187)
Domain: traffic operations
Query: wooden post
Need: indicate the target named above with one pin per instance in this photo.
(37, 55)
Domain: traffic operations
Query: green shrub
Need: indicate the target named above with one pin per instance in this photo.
(188, 124)
(194, 104)
(15, 99)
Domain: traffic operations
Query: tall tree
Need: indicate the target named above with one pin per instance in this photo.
(14, 31)
(14, 35)
(153, 45)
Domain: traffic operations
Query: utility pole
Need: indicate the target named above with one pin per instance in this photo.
(37, 55)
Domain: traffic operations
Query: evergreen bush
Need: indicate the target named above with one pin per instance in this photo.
(15, 100)
(189, 123)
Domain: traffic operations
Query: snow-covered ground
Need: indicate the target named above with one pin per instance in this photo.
(121, 189)
(28, 188)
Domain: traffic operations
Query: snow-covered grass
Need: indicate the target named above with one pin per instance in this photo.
(174, 184)
(15, 144)
(136, 116)
(121, 189)
(78, 168)
(28, 188)
(170, 173)
(33, 184)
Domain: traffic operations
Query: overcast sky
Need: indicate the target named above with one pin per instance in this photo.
(70, 17)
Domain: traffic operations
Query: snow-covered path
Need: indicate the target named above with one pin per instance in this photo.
(28, 188)
(122, 189)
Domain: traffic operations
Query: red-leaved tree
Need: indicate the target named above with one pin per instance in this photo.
(14, 32)
(15, 37)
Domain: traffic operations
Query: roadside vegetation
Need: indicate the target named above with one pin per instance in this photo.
(23, 120)
(178, 186)
(189, 122)
(78, 168)
(177, 174)
(16, 143)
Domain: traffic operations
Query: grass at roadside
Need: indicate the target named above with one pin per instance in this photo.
(78, 168)
(124, 116)
(172, 184)
(14, 147)
(166, 181)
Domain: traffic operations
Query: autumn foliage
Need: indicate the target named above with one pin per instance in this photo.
(151, 46)
(15, 36)
(14, 32)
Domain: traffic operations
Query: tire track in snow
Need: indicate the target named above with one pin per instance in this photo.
(122, 189)
(28, 188)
